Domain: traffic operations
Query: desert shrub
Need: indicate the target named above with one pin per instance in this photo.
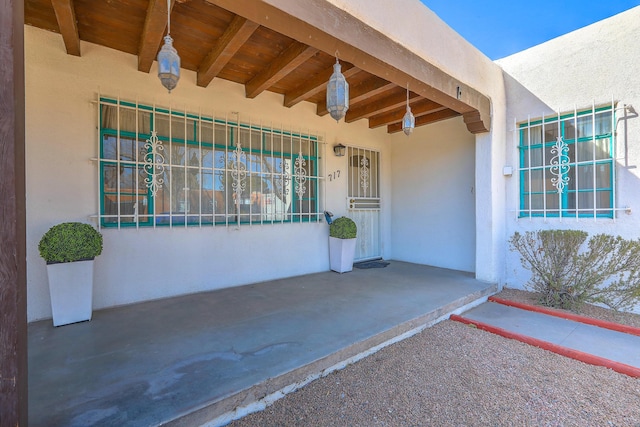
(567, 272)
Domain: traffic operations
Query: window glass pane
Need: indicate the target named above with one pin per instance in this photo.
(598, 149)
(110, 178)
(273, 143)
(222, 135)
(127, 177)
(603, 122)
(531, 136)
(603, 149)
(553, 202)
(585, 126)
(603, 175)
(304, 146)
(533, 181)
(583, 178)
(569, 129)
(250, 139)
(193, 152)
(179, 190)
(570, 207)
(109, 144)
(206, 132)
(551, 132)
(127, 120)
(585, 201)
(177, 151)
(584, 151)
(603, 200)
(532, 157)
(178, 128)
(131, 150)
(537, 201)
(161, 124)
(220, 195)
(109, 117)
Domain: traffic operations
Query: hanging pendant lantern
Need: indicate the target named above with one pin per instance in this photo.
(337, 93)
(408, 121)
(168, 59)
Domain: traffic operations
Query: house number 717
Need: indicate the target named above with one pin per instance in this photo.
(334, 175)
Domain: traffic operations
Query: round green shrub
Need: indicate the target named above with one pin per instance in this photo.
(343, 228)
(70, 241)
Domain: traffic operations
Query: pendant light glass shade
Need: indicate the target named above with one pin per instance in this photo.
(168, 59)
(408, 121)
(337, 93)
(168, 64)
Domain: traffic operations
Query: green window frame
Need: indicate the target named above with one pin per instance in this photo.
(160, 167)
(567, 164)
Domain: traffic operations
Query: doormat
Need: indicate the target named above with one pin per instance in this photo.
(371, 264)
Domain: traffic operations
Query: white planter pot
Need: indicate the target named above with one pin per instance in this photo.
(71, 290)
(341, 253)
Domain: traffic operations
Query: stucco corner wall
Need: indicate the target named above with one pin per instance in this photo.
(433, 196)
(593, 65)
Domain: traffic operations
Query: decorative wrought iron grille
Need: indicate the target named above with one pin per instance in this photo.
(567, 164)
(162, 167)
(363, 201)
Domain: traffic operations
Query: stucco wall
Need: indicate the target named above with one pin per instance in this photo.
(593, 64)
(425, 34)
(433, 196)
(146, 264)
(136, 265)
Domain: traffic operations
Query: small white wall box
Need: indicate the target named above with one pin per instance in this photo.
(507, 171)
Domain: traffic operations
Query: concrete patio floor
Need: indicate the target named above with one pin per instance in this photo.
(188, 360)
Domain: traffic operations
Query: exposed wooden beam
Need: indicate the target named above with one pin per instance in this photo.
(426, 119)
(227, 45)
(316, 84)
(368, 109)
(474, 123)
(66, 16)
(296, 54)
(369, 88)
(13, 258)
(418, 108)
(154, 25)
(328, 28)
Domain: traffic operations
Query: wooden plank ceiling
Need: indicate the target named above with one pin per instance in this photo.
(217, 43)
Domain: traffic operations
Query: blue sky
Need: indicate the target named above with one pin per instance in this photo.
(502, 27)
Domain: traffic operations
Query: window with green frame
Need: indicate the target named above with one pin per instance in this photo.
(168, 168)
(567, 165)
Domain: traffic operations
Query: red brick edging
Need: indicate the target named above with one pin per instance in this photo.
(591, 359)
(570, 316)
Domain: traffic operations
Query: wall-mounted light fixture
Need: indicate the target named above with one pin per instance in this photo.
(339, 150)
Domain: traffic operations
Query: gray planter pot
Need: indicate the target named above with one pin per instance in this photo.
(71, 291)
(341, 254)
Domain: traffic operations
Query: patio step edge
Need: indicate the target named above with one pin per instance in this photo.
(259, 396)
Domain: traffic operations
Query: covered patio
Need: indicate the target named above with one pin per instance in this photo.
(213, 356)
(246, 65)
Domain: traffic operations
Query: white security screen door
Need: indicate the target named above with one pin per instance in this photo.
(363, 202)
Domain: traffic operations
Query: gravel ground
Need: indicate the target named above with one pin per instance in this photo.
(456, 375)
